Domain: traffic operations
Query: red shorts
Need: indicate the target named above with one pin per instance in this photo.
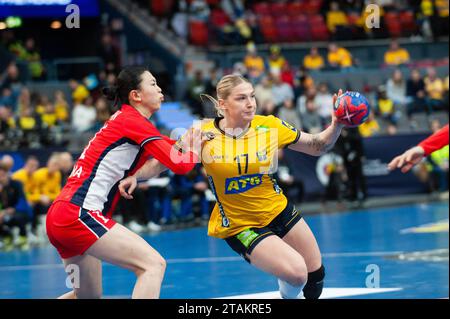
(72, 229)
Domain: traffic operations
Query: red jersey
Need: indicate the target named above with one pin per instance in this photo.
(436, 141)
(118, 149)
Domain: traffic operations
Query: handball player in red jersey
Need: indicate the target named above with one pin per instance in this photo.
(79, 222)
(415, 154)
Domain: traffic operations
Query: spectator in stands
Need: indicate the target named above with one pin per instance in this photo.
(370, 127)
(47, 186)
(244, 31)
(386, 108)
(61, 107)
(337, 23)
(103, 112)
(222, 27)
(280, 91)
(339, 58)
(11, 84)
(65, 165)
(13, 209)
(84, 116)
(337, 178)
(252, 22)
(133, 211)
(430, 23)
(79, 91)
(290, 114)
(275, 60)
(24, 100)
(310, 94)
(25, 176)
(442, 8)
(109, 52)
(6, 123)
(303, 82)
(292, 186)
(287, 75)
(263, 90)
(179, 21)
(434, 87)
(7, 161)
(323, 99)
(311, 121)
(30, 126)
(196, 86)
(158, 202)
(396, 89)
(33, 57)
(313, 61)
(267, 108)
(49, 117)
(396, 55)
(415, 94)
(352, 151)
(183, 188)
(253, 63)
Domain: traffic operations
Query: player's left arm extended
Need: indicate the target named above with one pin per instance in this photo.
(318, 144)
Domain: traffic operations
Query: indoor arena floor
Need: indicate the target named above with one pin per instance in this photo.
(396, 252)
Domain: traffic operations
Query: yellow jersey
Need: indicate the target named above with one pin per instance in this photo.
(26, 180)
(341, 57)
(45, 183)
(239, 170)
(313, 62)
(396, 57)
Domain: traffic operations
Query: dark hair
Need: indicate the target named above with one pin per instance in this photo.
(129, 79)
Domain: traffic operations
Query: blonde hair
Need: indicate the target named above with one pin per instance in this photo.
(223, 89)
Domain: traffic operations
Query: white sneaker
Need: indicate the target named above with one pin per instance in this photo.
(153, 226)
(134, 226)
(32, 239)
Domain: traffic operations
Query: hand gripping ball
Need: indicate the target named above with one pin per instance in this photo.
(351, 109)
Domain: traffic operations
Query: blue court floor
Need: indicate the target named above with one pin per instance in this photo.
(397, 252)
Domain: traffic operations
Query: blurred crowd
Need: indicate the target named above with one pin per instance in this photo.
(236, 22)
(33, 118)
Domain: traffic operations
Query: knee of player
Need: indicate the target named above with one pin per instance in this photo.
(314, 285)
(154, 264)
(297, 275)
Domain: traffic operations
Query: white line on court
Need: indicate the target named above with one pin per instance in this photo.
(206, 260)
(326, 294)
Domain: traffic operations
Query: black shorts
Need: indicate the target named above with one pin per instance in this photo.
(244, 242)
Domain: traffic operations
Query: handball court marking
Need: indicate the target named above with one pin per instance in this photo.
(205, 260)
(327, 293)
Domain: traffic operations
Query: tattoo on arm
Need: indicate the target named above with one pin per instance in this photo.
(318, 144)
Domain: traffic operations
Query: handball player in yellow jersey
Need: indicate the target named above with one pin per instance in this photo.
(251, 213)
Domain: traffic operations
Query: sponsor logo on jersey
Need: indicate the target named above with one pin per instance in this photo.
(241, 184)
(246, 237)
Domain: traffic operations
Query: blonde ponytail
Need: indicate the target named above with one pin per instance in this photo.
(214, 102)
